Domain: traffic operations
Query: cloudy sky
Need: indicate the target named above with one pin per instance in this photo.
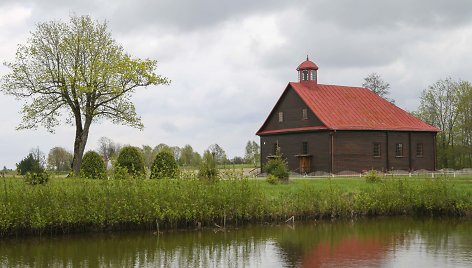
(229, 61)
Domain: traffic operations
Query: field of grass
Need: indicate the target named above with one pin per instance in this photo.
(73, 204)
(355, 184)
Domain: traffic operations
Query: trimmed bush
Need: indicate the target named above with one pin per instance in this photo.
(36, 177)
(93, 166)
(278, 167)
(164, 166)
(132, 159)
(373, 177)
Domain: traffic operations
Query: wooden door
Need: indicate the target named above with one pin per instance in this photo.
(305, 164)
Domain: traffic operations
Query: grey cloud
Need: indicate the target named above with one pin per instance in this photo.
(362, 15)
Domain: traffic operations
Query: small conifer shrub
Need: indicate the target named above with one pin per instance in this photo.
(164, 166)
(93, 166)
(132, 159)
(277, 167)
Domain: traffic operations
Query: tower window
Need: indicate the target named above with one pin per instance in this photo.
(313, 75)
(305, 75)
(377, 150)
(399, 150)
(281, 117)
(419, 150)
(304, 114)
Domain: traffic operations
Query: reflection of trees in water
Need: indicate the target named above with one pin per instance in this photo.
(450, 235)
(178, 248)
(307, 244)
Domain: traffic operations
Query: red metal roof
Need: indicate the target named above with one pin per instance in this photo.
(356, 108)
(351, 108)
(285, 130)
(308, 64)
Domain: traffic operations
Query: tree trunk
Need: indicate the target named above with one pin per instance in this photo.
(81, 136)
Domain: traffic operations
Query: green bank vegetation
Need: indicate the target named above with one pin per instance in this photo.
(72, 204)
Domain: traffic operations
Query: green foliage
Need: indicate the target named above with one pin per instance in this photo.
(59, 159)
(164, 166)
(272, 179)
(373, 176)
(376, 84)
(277, 167)
(68, 204)
(219, 155)
(107, 149)
(208, 170)
(93, 166)
(132, 159)
(28, 164)
(36, 177)
(77, 69)
(186, 155)
(120, 173)
(148, 156)
(252, 154)
(447, 104)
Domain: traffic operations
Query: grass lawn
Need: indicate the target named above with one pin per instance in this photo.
(462, 184)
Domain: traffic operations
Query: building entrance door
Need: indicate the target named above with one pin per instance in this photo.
(305, 164)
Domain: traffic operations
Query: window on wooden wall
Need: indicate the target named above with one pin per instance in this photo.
(304, 147)
(419, 150)
(281, 117)
(304, 114)
(399, 150)
(377, 150)
(275, 148)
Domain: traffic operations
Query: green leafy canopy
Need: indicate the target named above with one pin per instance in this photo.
(76, 69)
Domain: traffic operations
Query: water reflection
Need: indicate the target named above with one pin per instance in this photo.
(388, 242)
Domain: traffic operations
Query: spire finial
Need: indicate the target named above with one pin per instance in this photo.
(307, 57)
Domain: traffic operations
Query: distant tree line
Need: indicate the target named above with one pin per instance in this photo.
(447, 104)
(60, 159)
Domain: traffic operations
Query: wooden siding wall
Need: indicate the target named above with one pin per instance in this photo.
(353, 150)
(427, 161)
(291, 105)
(291, 145)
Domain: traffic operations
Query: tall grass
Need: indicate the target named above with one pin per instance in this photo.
(73, 204)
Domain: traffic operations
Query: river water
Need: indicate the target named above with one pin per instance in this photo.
(379, 242)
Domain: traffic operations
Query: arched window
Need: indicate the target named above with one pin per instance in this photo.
(305, 75)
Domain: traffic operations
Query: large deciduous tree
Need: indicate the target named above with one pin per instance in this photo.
(252, 154)
(107, 149)
(376, 84)
(186, 155)
(441, 106)
(76, 71)
(218, 153)
(59, 159)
